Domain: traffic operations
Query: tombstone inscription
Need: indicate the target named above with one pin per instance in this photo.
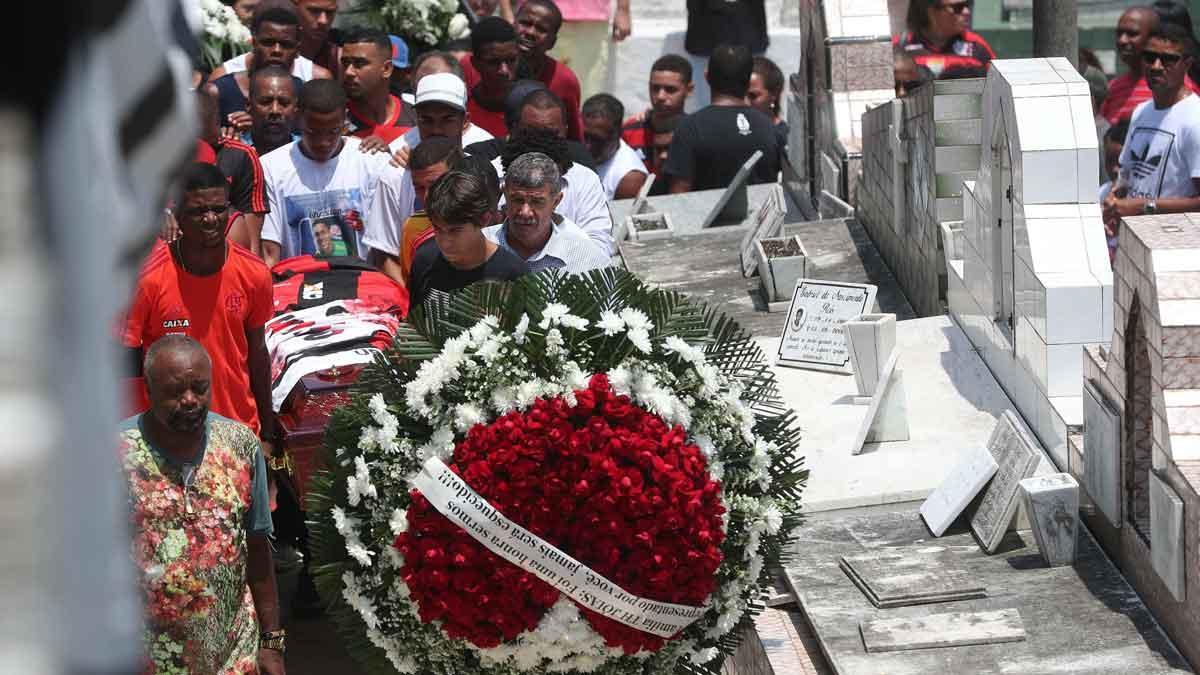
(1017, 455)
(812, 335)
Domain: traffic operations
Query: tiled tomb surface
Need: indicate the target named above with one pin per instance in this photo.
(1150, 379)
(1028, 278)
(1083, 618)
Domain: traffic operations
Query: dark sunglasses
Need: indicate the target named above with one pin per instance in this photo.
(957, 7)
(1168, 60)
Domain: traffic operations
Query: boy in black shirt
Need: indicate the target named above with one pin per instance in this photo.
(710, 145)
(460, 206)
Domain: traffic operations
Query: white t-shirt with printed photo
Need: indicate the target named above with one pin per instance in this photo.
(621, 163)
(320, 208)
(1162, 150)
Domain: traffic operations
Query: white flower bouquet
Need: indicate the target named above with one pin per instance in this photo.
(422, 23)
(222, 34)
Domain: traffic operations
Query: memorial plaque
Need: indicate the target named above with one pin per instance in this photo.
(975, 468)
(1102, 453)
(952, 629)
(768, 221)
(813, 336)
(1017, 455)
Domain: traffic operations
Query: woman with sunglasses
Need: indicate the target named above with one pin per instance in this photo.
(939, 40)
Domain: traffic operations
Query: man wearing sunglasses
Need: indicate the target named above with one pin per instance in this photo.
(939, 39)
(1160, 164)
(1129, 90)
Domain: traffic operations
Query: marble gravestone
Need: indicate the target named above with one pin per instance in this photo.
(768, 222)
(952, 629)
(736, 190)
(812, 335)
(1102, 445)
(1017, 455)
(975, 468)
(913, 575)
(1052, 502)
(1166, 536)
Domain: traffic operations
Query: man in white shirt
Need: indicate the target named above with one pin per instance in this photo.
(268, 44)
(583, 201)
(439, 119)
(325, 182)
(621, 170)
(532, 190)
(1160, 163)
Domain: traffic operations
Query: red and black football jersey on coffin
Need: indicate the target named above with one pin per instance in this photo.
(303, 282)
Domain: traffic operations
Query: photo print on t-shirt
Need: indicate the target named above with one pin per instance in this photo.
(1149, 149)
(327, 224)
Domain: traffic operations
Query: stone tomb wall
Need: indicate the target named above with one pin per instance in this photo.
(1141, 447)
(1033, 284)
(845, 68)
(917, 151)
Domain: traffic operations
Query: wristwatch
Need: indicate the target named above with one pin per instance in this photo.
(1151, 206)
(272, 640)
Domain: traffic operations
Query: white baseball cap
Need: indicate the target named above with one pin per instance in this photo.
(445, 88)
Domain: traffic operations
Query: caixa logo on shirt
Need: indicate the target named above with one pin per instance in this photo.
(175, 324)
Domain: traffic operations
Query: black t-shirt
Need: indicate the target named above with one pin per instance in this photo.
(240, 164)
(731, 22)
(431, 271)
(491, 149)
(711, 144)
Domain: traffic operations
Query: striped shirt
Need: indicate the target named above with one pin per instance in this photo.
(568, 248)
(1125, 93)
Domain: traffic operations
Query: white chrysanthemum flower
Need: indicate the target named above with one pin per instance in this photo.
(552, 314)
(398, 523)
(773, 518)
(610, 323)
(467, 415)
(521, 329)
(554, 341)
(358, 486)
(504, 399)
(621, 380)
(636, 319)
(458, 28)
(640, 339)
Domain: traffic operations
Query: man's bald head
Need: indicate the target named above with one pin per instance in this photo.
(1133, 31)
(178, 377)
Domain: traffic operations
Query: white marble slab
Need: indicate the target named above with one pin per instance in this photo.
(1102, 453)
(974, 468)
(957, 406)
(1166, 536)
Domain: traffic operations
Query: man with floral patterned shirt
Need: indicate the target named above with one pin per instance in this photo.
(201, 519)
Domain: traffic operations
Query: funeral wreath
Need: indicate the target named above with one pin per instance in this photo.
(565, 474)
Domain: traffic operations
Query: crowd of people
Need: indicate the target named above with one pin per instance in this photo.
(1147, 118)
(451, 169)
(435, 174)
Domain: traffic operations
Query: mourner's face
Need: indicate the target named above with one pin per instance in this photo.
(497, 65)
(321, 134)
(459, 242)
(316, 17)
(668, 91)
(536, 29)
(273, 109)
(1133, 31)
(601, 137)
(365, 69)
(949, 18)
(529, 212)
(179, 387)
(202, 215)
(275, 45)
(423, 178)
(1164, 65)
(440, 119)
(759, 97)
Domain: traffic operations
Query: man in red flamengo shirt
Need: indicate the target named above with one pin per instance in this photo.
(371, 109)
(537, 23)
(489, 72)
(218, 293)
(1127, 91)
